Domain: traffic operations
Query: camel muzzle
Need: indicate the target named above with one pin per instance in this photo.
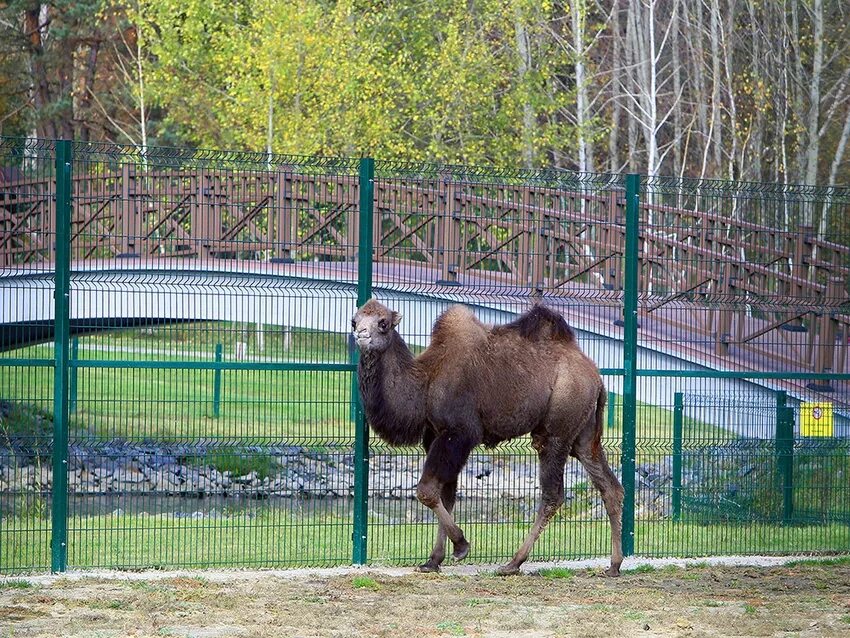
(363, 338)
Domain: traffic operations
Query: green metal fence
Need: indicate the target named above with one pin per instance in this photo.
(177, 386)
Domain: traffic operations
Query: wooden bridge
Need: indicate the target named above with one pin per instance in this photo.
(735, 294)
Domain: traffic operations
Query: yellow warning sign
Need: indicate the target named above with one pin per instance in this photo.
(816, 419)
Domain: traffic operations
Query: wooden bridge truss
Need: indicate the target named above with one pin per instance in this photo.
(706, 275)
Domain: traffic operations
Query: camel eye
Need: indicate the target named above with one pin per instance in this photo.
(382, 325)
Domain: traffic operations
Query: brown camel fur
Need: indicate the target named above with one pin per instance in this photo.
(479, 384)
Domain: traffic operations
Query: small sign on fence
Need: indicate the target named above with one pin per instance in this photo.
(816, 418)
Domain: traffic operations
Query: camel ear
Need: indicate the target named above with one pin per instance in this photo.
(396, 319)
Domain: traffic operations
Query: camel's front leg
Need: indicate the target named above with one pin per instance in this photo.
(428, 493)
(438, 554)
(446, 456)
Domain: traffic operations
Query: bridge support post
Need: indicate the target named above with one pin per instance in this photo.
(449, 224)
(630, 326)
(827, 330)
(62, 333)
(361, 428)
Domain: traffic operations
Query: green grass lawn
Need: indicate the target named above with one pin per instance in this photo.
(311, 408)
(273, 537)
(138, 402)
(255, 405)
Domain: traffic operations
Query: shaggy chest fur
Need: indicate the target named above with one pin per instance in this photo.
(393, 396)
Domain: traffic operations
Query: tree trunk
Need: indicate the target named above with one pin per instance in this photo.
(614, 165)
(754, 157)
(84, 75)
(727, 34)
(578, 11)
(795, 90)
(696, 33)
(270, 119)
(813, 138)
(716, 99)
(40, 87)
(679, 159)
(823, 225)
(524, 66)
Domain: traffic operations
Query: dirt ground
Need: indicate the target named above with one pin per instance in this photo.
(802, 599)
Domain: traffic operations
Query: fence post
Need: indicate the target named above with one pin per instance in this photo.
(61, 297)
(612, 409)
(217, 382)
(72, 373)
(361, 428)
(629, 360)
(785, 455)
(678, 418)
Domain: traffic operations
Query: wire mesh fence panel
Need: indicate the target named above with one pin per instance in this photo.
(192, 400)
(211, 375)
(498, 242)
(27, 207)
(743, 312)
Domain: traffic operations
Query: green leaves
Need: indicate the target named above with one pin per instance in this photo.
(436, 81)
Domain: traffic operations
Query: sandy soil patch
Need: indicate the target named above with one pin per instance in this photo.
(688, 599)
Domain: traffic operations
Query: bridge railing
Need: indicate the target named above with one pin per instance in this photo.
(753, 267)
(537, 231)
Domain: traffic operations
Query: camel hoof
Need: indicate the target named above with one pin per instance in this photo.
(428, 568)
(612, 572)
(461, 550)
(507, 570)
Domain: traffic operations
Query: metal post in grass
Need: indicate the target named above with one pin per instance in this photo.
(630, 360)
(678, 418)
(785, 455)
(217, 382)
(612, 409)
(361, 428)
(61, 297)
(72, 374)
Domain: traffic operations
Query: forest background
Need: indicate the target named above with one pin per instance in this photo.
(736, 89)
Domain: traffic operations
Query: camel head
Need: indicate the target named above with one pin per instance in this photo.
(373, 325)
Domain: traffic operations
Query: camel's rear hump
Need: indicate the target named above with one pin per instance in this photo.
(541, 324)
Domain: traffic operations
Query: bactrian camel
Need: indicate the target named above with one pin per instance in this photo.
(480, 384)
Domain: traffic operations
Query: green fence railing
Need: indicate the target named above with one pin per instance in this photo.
(178, 389)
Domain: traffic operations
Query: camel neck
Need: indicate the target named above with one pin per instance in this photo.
(393, 392)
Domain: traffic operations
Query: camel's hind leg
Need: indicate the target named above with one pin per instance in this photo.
(446, 456)
(592, 457)
(553, 458)
(438, 554)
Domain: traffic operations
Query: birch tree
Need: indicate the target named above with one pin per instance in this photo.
(578, 12)
(524, 69)
(813, 137)
(618, 64)
(646, 87)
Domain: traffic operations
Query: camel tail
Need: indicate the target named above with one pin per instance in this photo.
(601, 400)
